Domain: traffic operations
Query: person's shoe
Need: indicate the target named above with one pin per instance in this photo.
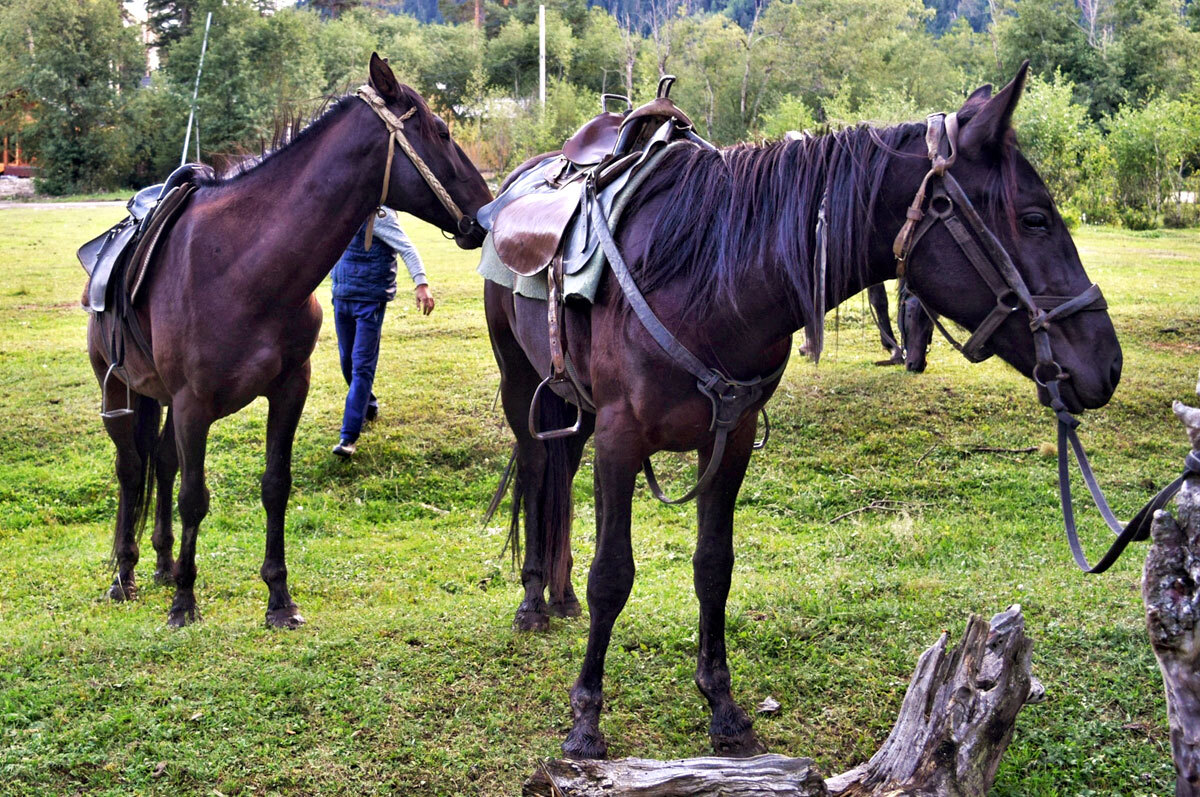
(372, 412)
(344, 449)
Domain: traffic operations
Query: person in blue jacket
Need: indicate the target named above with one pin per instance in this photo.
(364, 281)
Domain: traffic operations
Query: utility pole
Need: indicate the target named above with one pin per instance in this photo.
(542, 56)
(195, 93)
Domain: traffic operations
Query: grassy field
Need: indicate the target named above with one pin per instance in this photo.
(408, 678)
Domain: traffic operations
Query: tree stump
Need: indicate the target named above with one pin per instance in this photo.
(1171, 592)
(954, 725)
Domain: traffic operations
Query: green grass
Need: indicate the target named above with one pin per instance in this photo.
(122, 195)
(408, 678)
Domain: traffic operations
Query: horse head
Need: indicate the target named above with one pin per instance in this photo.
(1023, 293)
(455, 178)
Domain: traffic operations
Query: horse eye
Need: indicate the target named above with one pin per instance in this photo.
(1035, 221)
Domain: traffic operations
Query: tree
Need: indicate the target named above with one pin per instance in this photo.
(77, 65)
(1055, 133)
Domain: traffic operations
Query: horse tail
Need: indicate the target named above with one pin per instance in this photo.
(554, 505)
(513, 541)
(147, 437)
(555, 510)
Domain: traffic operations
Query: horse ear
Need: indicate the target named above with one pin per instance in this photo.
(972, 104)
(986, 126)
(383, 79)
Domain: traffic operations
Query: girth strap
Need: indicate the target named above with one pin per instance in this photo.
(730, 398)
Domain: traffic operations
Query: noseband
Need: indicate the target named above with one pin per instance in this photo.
(946, 200)
(466, 225)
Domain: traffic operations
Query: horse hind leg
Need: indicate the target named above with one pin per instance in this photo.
(135, 437)
(166, 469)
(567, 604)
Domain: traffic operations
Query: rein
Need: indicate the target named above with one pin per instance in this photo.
(395, 124)
(945, 201)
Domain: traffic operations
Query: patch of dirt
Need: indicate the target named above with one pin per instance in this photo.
(1177, 334)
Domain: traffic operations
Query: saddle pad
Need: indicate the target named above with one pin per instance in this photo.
(528, 231)
(584, 281)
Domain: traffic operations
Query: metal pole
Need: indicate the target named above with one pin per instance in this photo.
(542, 55)
(195, 93)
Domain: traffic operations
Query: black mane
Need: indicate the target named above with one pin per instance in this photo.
(296, 130)
(755, 207)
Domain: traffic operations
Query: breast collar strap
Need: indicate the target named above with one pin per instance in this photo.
(395, 124)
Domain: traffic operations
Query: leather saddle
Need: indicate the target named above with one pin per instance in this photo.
(128, 247)
(537, 217)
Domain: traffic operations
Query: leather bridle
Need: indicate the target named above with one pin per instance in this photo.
(940, 199)
(466, 225)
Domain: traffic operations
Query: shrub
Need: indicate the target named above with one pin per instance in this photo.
(1180, 215)
(1137, 219)
(1070, 216)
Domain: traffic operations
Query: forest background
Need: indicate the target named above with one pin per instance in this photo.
(1111, 117)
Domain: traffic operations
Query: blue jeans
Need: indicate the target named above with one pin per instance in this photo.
(359, 327)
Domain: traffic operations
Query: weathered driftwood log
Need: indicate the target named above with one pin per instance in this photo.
(760, 776)
(1171, 591)
(954, 725)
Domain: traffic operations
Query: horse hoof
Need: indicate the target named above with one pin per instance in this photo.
(584, 745)
(179, 617)
(742, 745)
(122, 591)
(164, 578)
(531, 620)
(567, 608)
(285, 618)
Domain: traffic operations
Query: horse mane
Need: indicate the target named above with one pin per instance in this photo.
(749, 208)
(292, 129)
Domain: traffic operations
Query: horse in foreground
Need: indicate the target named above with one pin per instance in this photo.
(723, 248)
(228, 313)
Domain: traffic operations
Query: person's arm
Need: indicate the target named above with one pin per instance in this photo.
(387, 229)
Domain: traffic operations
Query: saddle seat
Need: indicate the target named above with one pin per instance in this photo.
(537, 217)
(128, 247)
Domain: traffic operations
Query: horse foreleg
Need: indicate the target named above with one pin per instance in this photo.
(918, 334)
(609, 583)
(731, 730)
(877, 297)
(191, 441)
(287, 402)
(166, 469)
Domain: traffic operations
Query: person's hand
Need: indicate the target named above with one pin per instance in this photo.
(425, 299)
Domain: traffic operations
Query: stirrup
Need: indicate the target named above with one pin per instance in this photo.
(105, 412)
(554, 434)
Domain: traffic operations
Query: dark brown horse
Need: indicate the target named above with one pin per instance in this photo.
(230, 315)
(723, 246)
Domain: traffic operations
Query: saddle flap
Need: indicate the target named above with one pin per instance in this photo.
(98, 257)
(594, 140)
(528, 232)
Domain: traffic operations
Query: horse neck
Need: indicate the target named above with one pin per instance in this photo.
(314, 194)
(763, 296)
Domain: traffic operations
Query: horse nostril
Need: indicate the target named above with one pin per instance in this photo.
(1114, 373)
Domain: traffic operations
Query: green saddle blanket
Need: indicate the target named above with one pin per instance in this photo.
(584, 282)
